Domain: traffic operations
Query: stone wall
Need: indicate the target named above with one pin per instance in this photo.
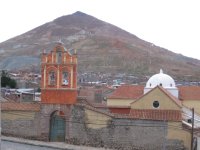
(21, 123)
(85, 126)
(45, 115)
(32, 124)
(120, 133)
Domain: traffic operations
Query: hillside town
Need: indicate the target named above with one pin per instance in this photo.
(101, 110)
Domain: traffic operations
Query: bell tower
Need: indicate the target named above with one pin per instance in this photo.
(59, 76)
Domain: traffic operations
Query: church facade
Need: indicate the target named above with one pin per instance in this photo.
(59, 75)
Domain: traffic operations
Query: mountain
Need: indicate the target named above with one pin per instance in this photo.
(101, 47)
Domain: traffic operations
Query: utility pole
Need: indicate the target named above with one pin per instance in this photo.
(192, 131)
(34, 94)
(164, 141)
(0, 106)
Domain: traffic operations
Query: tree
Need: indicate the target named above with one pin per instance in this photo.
(6, 81)
(12, 83)
(38, 90)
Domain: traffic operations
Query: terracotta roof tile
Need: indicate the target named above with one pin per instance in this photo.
(20, 106)
(151, 114)
(189, 92)
(127, 92)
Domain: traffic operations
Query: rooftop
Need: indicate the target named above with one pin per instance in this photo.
(151, 114)
(20, 106)
(127, 92)
(189, 92)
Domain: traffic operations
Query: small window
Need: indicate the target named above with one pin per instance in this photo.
(150, 84)
(160, 84)
(170, 85)
(65, 78)
(52, 78)
(156, 104)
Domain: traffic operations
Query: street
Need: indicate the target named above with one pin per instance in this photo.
(13, 143)
(6, 145)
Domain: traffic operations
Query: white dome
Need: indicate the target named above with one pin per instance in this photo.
(161, 79)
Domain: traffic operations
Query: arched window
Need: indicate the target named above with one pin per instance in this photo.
(65, 76)
(52, 78)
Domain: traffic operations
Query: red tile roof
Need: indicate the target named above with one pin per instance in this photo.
(127, 92)
(20, 106)
(156, 114)
(189, 92)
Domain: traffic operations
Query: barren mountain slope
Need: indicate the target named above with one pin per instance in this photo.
(100, 46)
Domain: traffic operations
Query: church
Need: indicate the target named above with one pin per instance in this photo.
(186, 96)
(136, 117)
(59, 71)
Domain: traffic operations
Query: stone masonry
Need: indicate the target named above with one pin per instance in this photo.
(118, 132)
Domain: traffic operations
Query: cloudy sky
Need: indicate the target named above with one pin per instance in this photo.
(172, 24)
